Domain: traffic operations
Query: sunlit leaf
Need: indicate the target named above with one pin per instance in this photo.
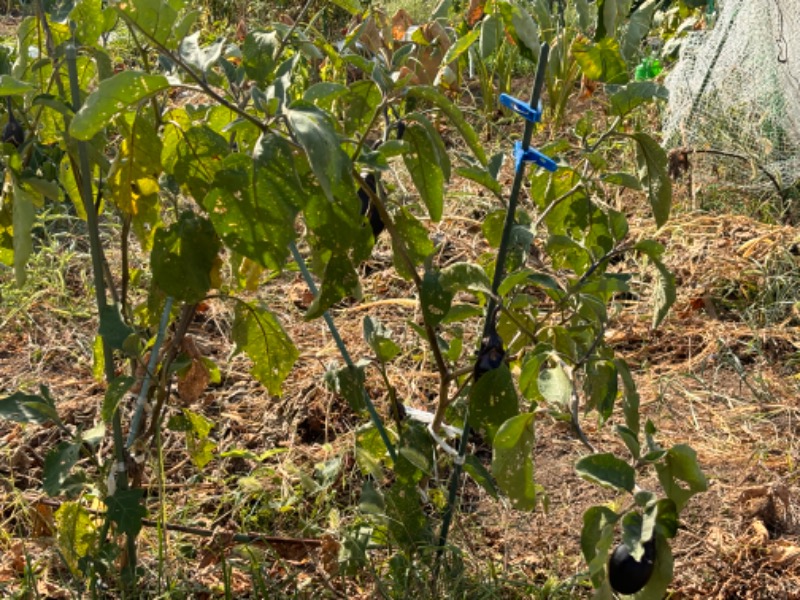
(680, 475)
(522, 28)
(258, 333)
(160, 20)
(607, 470)
(415, 240)
(379, 339)
(76, 533)
(87, 15)
(600, 61)
(492, 401)
(254, 202)
(512, 459)
(24, 215)
(652, 162)
(316, 133)
(597, 536)
(112, 97)
(423, 163)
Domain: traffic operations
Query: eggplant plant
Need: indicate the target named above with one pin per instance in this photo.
(210, 153)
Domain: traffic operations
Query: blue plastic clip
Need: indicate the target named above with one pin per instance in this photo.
(522, 108)
(534, 156)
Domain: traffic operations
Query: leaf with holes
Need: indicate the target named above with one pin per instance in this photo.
(258, 333)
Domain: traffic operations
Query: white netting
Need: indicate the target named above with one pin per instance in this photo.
(736, 87)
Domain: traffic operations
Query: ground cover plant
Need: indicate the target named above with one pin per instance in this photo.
(230, 196)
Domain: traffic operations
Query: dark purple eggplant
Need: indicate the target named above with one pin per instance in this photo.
(628, 575)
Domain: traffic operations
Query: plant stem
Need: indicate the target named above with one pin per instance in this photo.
(83, 175)
(373, 413)
(492, 305)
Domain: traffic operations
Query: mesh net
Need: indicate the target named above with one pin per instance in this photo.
(736, 89)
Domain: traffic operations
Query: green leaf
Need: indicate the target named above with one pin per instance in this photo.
(680, 475)
(76, 533)
(87, 15)
(624, 179)
(665, 293)
(607, 15)
(454, 116)
(324, 91)
(601, 387)
(133, 180)
(184, 256)
(201, 449)
(379, 339)
(462, 44)
(466, 277)
(194, 156)
(57, 466)
(664, 516)
(630, 440)
(607, 470)
(639, 24)
(112, 328)
(258, 333)
(406, 521)
(339, 281)
(481, 177)
(567, 253)
(316, 133)
(9, 86)
(423, 163)
(371, 502)
(371, 452)
(662, 575)
(435, 300)
(361, 102)
(351, 6)
(253, 204)
(491, 35)
(475, 469)
(492, 401)
(636, 93)
(630, 398)
(23, 217)
(348, 382)
(116, 390)
(597, 536)
(556, 387)
(522, 29)
(258, 55)
(652, 162)
(112, 97)
(126, 511)
(414, 238)
(600, 61)
(512, 459)
(160, 20)
(29, 408)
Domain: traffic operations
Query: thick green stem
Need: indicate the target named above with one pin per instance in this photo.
(373, 413)
(489, 324)
(84, 177)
